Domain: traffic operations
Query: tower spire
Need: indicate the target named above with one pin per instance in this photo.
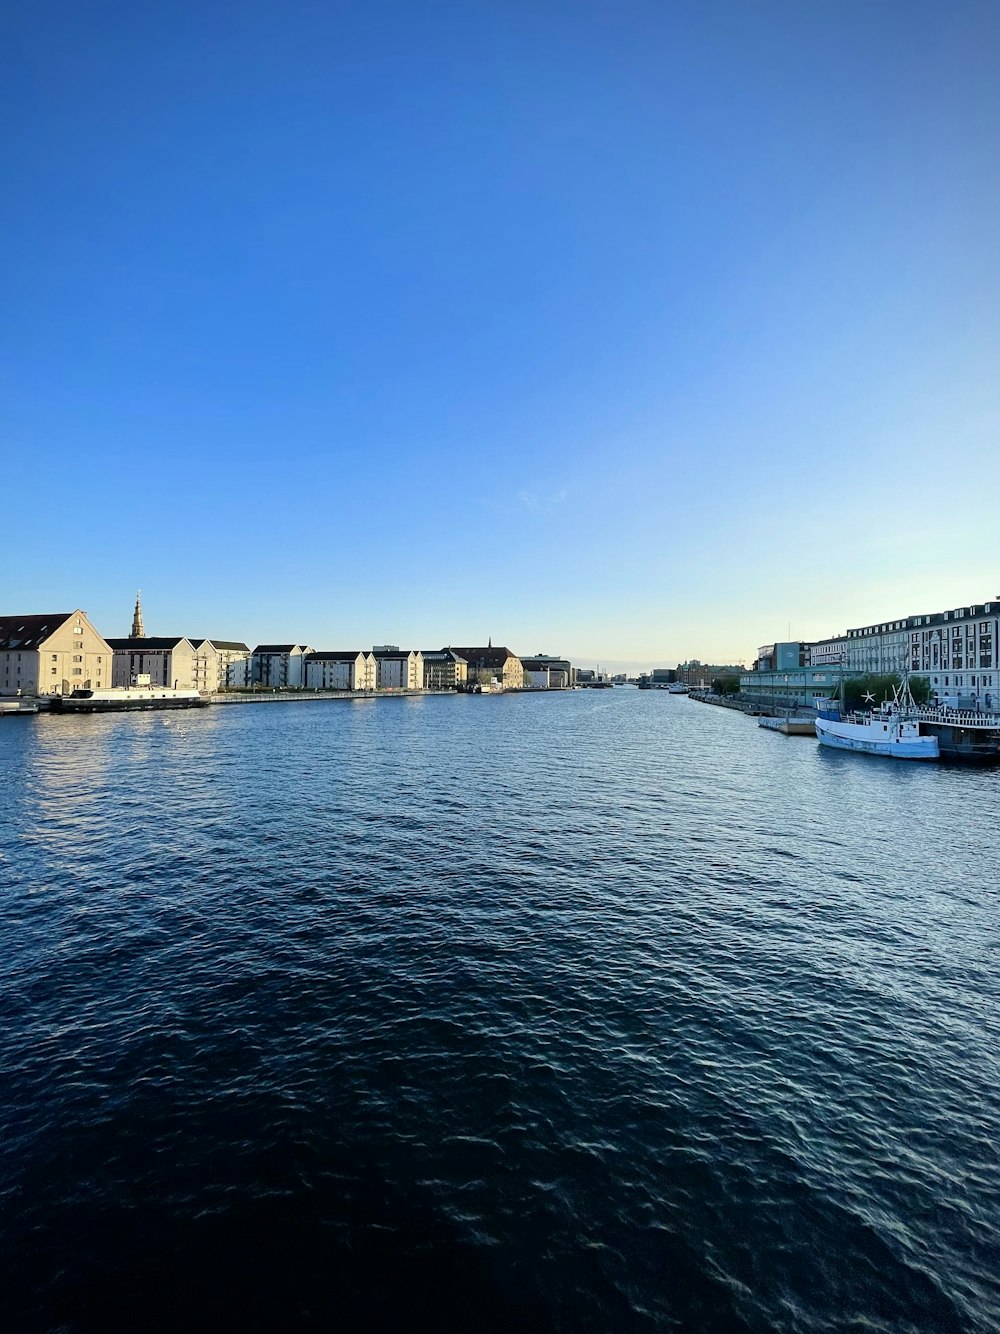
(137, 631)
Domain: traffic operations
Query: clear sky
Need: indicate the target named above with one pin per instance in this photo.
(630, 331)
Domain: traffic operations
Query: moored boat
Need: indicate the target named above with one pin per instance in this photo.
(892, 730)
(141, 694)
(963, 736)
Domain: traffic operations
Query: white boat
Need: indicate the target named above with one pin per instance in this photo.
(892, 730)
(677, 688)
(141, 694)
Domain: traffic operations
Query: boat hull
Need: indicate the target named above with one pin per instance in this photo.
(965, 745)
(68, 705)
(859, 738)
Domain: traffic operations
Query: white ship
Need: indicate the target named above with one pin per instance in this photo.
(892, 730)
(677, 688)
(139, 695)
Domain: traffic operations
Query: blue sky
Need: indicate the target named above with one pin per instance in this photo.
(628, 331)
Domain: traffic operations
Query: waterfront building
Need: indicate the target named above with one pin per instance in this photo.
(560, 671)
(700, 675)
(444, 669)
(168, 659)
(662, 676)
(220, 664)
(280, 666)
(52, 654)
(398, 669)
(340, 669)
(489, 663)
(957, 650)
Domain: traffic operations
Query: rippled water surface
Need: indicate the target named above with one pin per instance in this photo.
(600, 1011)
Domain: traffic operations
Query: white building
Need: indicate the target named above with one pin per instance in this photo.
(280, 666)
(398, 669)
(52, 654)
(340, 669)
(220, 664)
(956, 650)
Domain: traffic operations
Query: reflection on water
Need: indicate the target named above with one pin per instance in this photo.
(600, 1011)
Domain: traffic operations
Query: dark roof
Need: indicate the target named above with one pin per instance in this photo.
(30, 631)
(335, 655)
(393, 652)
(219, 643)
(147, 643)
(436, 654)
(276, 648)
(485, 655)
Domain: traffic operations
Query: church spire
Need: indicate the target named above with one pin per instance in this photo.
(137, 631)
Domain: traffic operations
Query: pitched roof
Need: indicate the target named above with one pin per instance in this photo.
(440, 654)
(393, 652)
(277, 648)
(30, 631)
(147, 643)
(485, 655)
(220, 643)
(336, 655)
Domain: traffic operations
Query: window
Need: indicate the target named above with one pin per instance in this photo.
(78, 657)
(55, 657)
(55, 671)
(77, 671)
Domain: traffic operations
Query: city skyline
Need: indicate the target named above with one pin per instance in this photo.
(651, 336)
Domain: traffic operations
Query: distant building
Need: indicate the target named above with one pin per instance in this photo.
(444, 669)
(340, 669)
(220, 664)
(52, 654)
(280, 666)
(558, 672)
(700, 675)
(398, 669)
(489, 663)
(956, 650)
(169, 660)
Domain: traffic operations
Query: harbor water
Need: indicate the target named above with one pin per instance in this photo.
(598, 1011)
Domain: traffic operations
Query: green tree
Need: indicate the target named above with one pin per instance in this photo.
(881, 688)
(726, 685)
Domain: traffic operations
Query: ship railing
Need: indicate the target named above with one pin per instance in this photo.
(960, 717)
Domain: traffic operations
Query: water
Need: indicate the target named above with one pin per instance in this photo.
(604, 1011)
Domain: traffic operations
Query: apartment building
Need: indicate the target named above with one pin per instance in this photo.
(52, 654)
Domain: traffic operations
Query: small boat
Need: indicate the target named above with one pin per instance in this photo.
(892, 730)
(677, 688)
(141, 694)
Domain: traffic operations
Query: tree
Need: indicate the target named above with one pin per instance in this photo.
(726, 685)
(883, 688)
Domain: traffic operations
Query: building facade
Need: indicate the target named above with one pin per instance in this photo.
(559, 672)
(220, 664)
(398, 669)
(340, 669)
(444, 669)
(52, 654)
(488, 664)
(956, 650)
(169, 660)
(279, 666)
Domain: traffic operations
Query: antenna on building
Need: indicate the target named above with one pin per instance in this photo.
(137, 631)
